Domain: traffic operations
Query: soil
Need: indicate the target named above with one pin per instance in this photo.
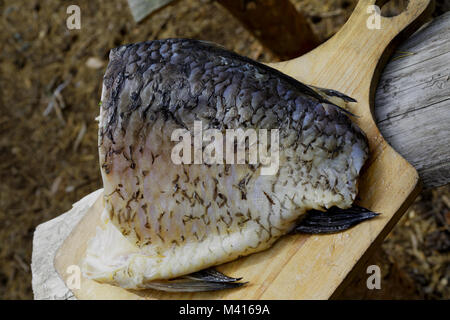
(50, 82)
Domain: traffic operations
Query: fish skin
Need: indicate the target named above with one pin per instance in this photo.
(184, 218)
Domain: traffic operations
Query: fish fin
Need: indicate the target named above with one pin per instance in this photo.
(186, 285)
(335, 98)
(330, 94)
(333, 220)
(211, 275)
(204, 280)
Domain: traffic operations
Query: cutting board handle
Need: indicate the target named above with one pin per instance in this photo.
(374, 37)
(352, 60)
(415, 10)
(359, 47)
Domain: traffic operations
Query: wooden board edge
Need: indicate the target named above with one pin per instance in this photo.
(376, 243)
(57, 263)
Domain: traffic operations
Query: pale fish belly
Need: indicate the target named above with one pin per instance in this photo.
(163, 220)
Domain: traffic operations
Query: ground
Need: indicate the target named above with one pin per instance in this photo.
(50, 82)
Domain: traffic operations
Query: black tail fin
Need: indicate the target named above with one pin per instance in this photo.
(334, 220)
(211, 275)
(204, 280)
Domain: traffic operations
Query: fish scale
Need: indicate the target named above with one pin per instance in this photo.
(167, 220)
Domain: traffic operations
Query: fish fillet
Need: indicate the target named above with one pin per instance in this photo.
(163, 220)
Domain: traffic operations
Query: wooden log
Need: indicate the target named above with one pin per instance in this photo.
(276, 24)
(412, 102)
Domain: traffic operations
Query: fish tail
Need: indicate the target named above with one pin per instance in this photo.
(334, 220)
(204, 280)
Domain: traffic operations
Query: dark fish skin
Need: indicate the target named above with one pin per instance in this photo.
(187, 75)
(210, 214)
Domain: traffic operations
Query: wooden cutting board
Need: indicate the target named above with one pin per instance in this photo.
(309, 266)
